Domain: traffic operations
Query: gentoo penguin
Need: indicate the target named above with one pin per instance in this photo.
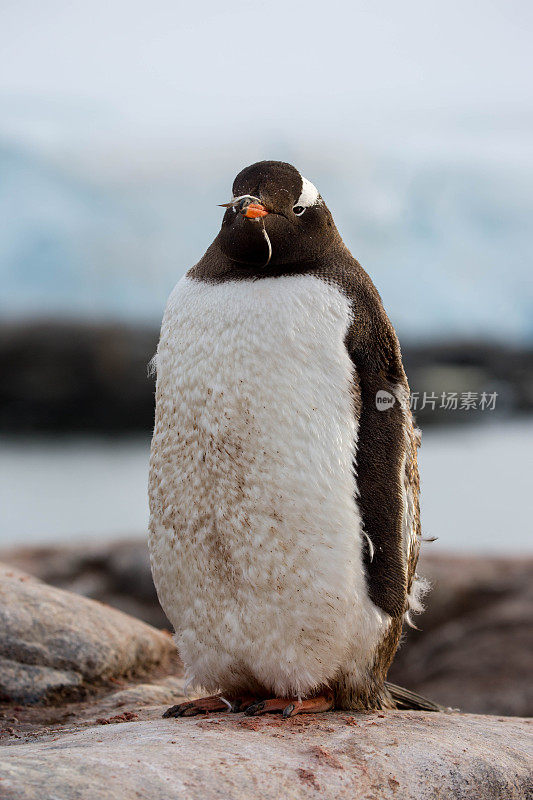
(284, 529)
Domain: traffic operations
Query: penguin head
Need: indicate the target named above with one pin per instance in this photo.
(275, 218)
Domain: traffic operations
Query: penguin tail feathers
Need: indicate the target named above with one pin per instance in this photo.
(405, 699)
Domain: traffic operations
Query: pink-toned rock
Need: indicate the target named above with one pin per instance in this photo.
(393, 756)
(54, 643)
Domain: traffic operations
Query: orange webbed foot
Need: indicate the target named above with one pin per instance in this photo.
(209, 705)
(290, 706)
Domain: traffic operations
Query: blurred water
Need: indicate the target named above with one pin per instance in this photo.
(73, 489)
(476, 487)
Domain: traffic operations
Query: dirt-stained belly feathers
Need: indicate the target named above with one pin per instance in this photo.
(255, 534)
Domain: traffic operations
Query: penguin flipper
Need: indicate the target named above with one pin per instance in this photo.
(386, 460)
(380, 471)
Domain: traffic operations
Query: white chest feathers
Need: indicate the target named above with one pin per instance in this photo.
(255, 533)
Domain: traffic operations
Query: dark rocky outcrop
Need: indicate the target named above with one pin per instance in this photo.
(69, 376)
(474, 647)
(62, 376)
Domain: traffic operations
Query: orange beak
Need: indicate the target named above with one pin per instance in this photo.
(255, 211)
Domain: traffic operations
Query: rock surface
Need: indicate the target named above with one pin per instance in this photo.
(473, 651)
(103, 736)
(55, 643)
(397, 756)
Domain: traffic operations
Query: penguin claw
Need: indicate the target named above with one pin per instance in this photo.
(241, 703)
(191, 708)
(266, 707)
(173, 711)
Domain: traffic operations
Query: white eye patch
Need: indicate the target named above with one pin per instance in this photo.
(309, 196)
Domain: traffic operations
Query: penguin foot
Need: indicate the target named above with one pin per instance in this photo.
(207, 705)
(290, 706)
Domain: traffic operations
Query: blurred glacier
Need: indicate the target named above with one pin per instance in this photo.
(446, 240)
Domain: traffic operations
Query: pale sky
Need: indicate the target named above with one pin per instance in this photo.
(166, 69)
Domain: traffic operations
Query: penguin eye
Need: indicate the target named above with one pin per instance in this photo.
(298, 210)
